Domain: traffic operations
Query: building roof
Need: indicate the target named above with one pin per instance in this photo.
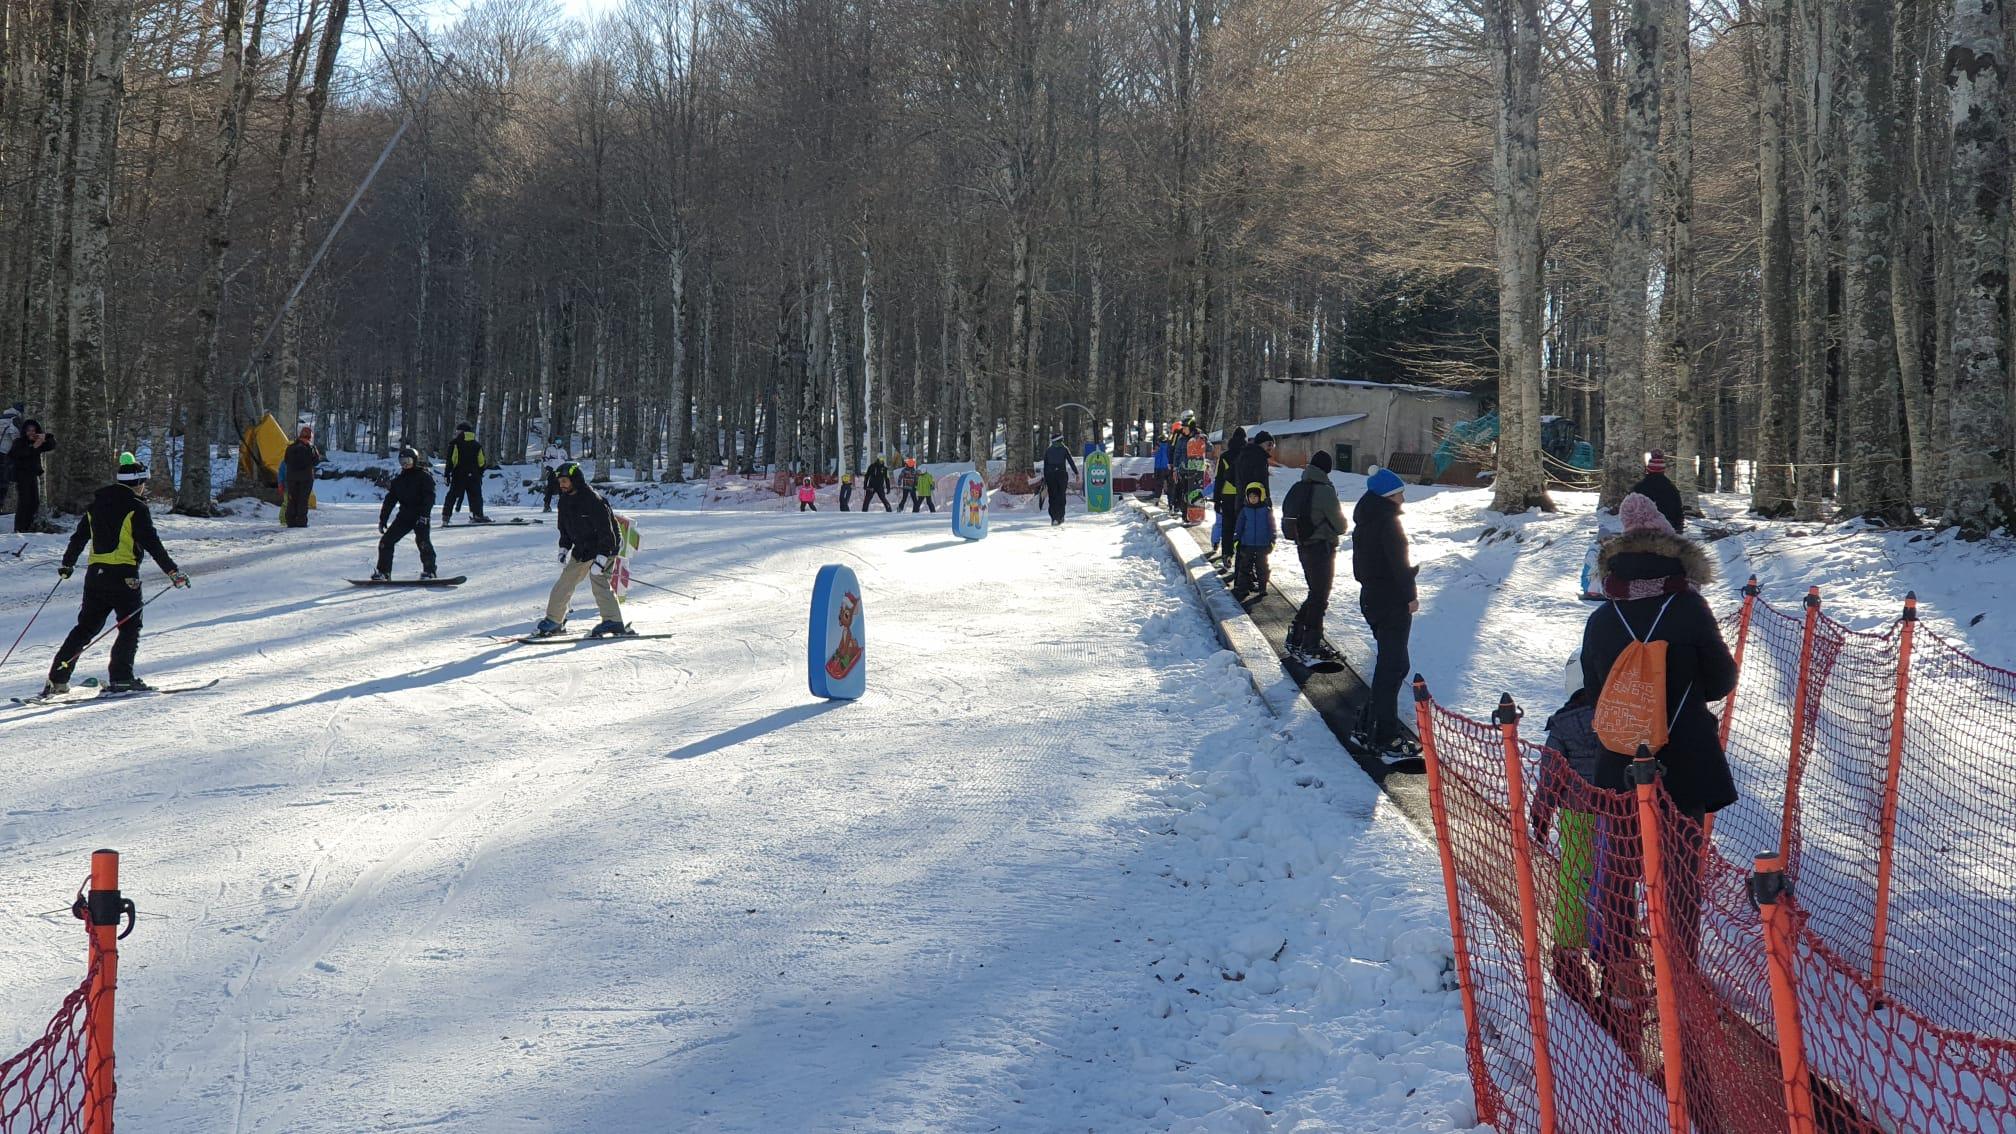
(1425, 391)
(1296, 426)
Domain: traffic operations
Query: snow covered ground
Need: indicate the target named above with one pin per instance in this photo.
(1060, 870)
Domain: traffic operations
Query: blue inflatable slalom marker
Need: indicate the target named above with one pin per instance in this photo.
(836, 655)
(969, 506)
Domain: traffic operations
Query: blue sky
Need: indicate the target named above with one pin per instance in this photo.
(442, 11)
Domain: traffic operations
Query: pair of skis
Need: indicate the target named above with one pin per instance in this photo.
(560, 639)
(88, 692)
(451, 581)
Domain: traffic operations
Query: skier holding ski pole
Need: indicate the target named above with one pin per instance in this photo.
(588, 544)
(118, 527)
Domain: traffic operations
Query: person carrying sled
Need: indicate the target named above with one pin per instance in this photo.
(412, 493)
(26, 469)
(1226, 499)
(1056, 479)
(1256, 543)
(297, 477)
(907, 481)
(466, 464)
(807, 495)
(1387, 599)
(587, 538)
(877, 486)
(118, 527)
(1661, 491)
(1313, 517)
(926, 483)
(552, 459)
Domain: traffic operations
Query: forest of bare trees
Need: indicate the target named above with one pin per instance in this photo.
(1768, 236)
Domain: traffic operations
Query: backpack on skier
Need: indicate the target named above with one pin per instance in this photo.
(1631, 710)
(1297, 524)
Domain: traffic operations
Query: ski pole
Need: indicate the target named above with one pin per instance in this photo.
(31, 620)
(656, 587)
(72, 659)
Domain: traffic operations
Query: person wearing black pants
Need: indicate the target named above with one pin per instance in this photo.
(27, 472)
(119, 529)
(877, 486)
(412, 493)
(1056, 460)
(297, 471)
(1317, 549)
(1386, 596)
(1227, 492)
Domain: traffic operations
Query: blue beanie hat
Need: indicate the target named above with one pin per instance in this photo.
(1384, 482)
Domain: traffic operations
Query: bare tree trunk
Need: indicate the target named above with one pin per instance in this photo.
(676, 396)
(1678, 306)
(287, 406)
(1978, 495)
(872, 377)
(1623, 390)
(1521, 482)
(1771, 486)
(1873, 483)
(1817, 324)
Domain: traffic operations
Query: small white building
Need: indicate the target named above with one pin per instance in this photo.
(1362, 423)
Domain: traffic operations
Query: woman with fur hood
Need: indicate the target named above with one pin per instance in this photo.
(1653, 579)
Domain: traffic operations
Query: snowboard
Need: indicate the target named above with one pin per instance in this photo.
(513, 522)
(1590, 586)
(452, 581)
(1098, 482)
(102, 694)
(1313, 664)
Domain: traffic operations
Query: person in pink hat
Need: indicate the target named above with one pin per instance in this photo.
(1661, 491)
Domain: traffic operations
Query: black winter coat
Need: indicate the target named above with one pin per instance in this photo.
(27, 458)
(878, 477)
(1250, 467)
(1226, 474)
(117, 525)
(1055, 460)
(1661, 491)
(466, 459)
(1699, 668)
(1379, 554)
(412, 493)
(298, 463)
(587, 524)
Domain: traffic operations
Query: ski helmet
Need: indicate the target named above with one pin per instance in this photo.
(131, 471)
(568, 471)
(464, 427)
(409, 457)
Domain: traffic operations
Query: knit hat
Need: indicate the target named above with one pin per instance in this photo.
(1321, 459)
(1657, 463)
(1385, 482)
(307, 433)
(131, 471)
(1263, 438)
(1641, 515)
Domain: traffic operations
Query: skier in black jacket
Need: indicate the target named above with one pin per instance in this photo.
(1386, 596)
(1662, 492)
(412, 493)
(1056, 459)
(1252, 466)
(119, 528)
(297, 476)
(877, 485)
(1225, 493)
(587, 536)
(466, 464)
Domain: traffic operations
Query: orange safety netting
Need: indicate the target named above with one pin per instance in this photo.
(45, 1086)
(1599, 1000)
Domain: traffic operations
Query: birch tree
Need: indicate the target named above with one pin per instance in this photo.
(1515, 43)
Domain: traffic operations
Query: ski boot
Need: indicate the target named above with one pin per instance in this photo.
(380, 577)
(482, 520)
(130, 685)
(610, 628)
(55, 688)
(547, 628)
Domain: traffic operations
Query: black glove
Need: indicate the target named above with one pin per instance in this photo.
(64, 571)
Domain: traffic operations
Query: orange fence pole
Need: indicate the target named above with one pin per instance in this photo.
(1767, 886)
(1507, 720)
(1729, 702)
(1879, 944)
(1424, 727)
(1795, 766)
(101, 909)
(1644, 772)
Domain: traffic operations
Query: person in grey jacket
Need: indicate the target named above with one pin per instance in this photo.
(1317, 549)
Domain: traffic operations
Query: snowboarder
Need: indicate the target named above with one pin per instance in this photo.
(466, 462)
(907, 481)
(412, 493)
(554, 457)
(1652, 578)
(26, 469)
(1386, 597)
(807, 496)
(1256, 543)
(1056, 460)
(1319, 519)
(1662, 492)
(587, 535)
(1226, 500)
(925, 484)
(846, 490)
(877, 486)
(297, 477)
(119, 528)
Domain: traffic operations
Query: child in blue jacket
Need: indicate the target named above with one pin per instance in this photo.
(1254, 532)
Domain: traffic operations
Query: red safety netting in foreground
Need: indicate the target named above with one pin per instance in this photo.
(1592, 959)
(44, 1086)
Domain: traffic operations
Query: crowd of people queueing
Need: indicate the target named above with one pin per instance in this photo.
(914, 484)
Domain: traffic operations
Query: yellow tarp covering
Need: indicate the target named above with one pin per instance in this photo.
(259, 458)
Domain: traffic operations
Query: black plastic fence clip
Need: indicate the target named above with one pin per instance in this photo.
(105, 907)
(1767, 888)
(1507, 712)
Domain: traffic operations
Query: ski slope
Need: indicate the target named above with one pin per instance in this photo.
(1060, 870)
